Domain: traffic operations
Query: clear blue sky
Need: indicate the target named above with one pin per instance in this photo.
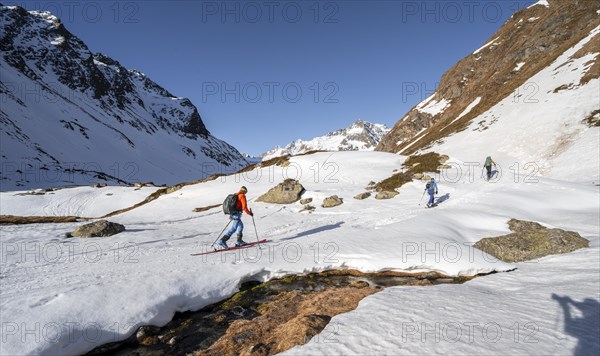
(350, 59)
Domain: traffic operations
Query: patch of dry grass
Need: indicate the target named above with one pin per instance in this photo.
(282, 161)
(394, 182)
(428, 162)
(21, 220)
(199, 210)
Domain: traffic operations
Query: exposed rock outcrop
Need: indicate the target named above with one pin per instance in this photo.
(530, 240)
(287, 192)
(100, 228)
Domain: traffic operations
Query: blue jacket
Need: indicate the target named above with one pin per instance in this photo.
(433, 187)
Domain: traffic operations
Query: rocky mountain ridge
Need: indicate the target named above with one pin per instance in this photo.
(70, 116)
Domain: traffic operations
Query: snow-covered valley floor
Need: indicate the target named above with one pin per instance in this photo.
(66, 296)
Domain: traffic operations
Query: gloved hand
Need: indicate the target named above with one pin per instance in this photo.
(436, 192)
(251, 212)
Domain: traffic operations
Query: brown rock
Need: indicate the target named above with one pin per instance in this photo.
(100, 228)
(284, 193)
(362, 196)
(306, 201)
(331, 201)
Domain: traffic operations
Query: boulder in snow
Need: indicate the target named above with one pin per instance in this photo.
(332, 201)
(530, 240)
(362, 196)
(100, 228)
(284, 193)
(386, 194)
(306, 201)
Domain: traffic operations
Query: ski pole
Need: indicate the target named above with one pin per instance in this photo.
(253, 223)
(420, 201)
(226, 226)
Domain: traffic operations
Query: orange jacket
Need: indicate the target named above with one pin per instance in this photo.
(242, 204)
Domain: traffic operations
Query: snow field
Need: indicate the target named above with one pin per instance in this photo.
(107, 287)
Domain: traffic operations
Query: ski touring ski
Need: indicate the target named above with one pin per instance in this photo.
(232, 248)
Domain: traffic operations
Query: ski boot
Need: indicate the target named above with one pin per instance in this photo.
(240, 242)
(223, 242)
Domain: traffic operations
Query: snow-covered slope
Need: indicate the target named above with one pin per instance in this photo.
(530, 97)
(544, 134)
(69, 116)
(77, 201)
(110, 286)
(360, 136)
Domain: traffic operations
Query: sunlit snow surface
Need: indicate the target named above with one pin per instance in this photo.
(107, 287)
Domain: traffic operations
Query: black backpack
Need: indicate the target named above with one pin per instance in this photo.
(230, 204)
(428, 185)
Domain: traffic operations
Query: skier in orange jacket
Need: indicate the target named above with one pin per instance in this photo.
(238, 225)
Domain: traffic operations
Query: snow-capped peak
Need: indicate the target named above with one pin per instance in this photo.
(360, 136)
(541, 2)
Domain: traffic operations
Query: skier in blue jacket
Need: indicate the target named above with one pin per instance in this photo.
(432, 189)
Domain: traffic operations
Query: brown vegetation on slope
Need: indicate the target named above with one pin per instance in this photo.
(20, 220)
(491, 75)
(428, 162)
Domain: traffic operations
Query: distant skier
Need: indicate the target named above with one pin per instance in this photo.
(488, 166)
(236, 215)
(431, 188)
